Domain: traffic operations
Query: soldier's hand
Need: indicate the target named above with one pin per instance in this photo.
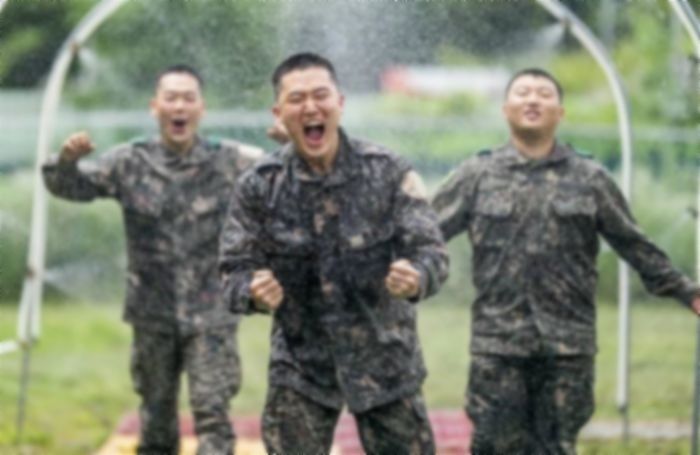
(695, 305)
(266, 291)
(76, 146)
(277, 132)
(403, 280)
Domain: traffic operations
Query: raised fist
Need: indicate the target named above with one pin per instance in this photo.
(76, 146)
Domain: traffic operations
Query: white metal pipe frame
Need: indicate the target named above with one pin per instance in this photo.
(28, 326)
(690, 22)
(597, 50)
(28, 321)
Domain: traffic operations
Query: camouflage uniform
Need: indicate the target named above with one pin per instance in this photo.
(338, 337)
(534, 229)
(173, 208)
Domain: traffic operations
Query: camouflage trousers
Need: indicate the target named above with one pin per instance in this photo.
(532, 406)
(295, 425)
(210, 361)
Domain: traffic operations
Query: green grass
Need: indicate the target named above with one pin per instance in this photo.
(80, 386)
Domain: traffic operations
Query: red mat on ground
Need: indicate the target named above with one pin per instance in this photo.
(452, 431)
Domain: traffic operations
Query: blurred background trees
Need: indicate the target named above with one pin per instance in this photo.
(236, 44)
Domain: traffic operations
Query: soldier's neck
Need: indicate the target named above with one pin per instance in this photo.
(534, 148)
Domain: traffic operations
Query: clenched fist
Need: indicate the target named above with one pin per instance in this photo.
(403, 280)
(76, 146)
(266, 291)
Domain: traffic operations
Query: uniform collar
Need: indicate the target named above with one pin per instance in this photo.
(197, 154)
(511, 157)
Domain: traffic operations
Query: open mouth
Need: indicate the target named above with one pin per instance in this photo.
(314, 133)
(179, 125)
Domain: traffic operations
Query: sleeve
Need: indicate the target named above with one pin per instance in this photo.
(618, 227)
(240, 254)
(84, 180)
(419, 237)
(454, 197)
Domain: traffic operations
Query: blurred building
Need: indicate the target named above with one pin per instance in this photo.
(442, 81)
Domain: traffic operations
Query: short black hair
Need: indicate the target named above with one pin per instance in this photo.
(180, 68)
(536, 72)
(301, 61)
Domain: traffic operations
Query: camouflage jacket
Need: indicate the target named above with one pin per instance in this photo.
(173, 208)
(534, 228)
(338, 335)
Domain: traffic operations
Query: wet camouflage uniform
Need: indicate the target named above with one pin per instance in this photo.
(338, 337)
(534, 229)
(173, 208)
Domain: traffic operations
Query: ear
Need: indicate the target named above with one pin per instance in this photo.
(276, 110)
(342, 100)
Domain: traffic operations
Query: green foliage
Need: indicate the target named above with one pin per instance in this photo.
(30, 34)
(457, 104)
(231, 43)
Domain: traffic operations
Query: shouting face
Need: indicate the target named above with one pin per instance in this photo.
(178, 106)
(309, 105)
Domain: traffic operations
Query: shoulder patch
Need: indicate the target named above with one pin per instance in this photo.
(412, 184)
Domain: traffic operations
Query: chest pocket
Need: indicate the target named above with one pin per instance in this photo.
(574, 218)
(493, 218)
(144, 201)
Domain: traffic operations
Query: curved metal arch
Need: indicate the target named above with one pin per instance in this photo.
(597, 50)
(28, 327)
(692, 25)
(28, 321)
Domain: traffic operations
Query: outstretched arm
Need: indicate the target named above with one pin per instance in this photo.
(616, 224)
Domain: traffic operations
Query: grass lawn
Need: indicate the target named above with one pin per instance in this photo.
(80, 386)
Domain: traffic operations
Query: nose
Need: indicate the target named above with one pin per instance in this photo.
(179, 103)
(309, 105)
(532, 97)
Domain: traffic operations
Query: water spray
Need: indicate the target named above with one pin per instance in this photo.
(588, 40)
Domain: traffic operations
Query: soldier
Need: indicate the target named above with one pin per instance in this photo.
(533, 209)
(174, 191)
(334, 236)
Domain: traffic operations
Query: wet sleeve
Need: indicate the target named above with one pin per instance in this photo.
(240, 254)
(453, 198)
(616, 224)
(419, 237)
(85, 179)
